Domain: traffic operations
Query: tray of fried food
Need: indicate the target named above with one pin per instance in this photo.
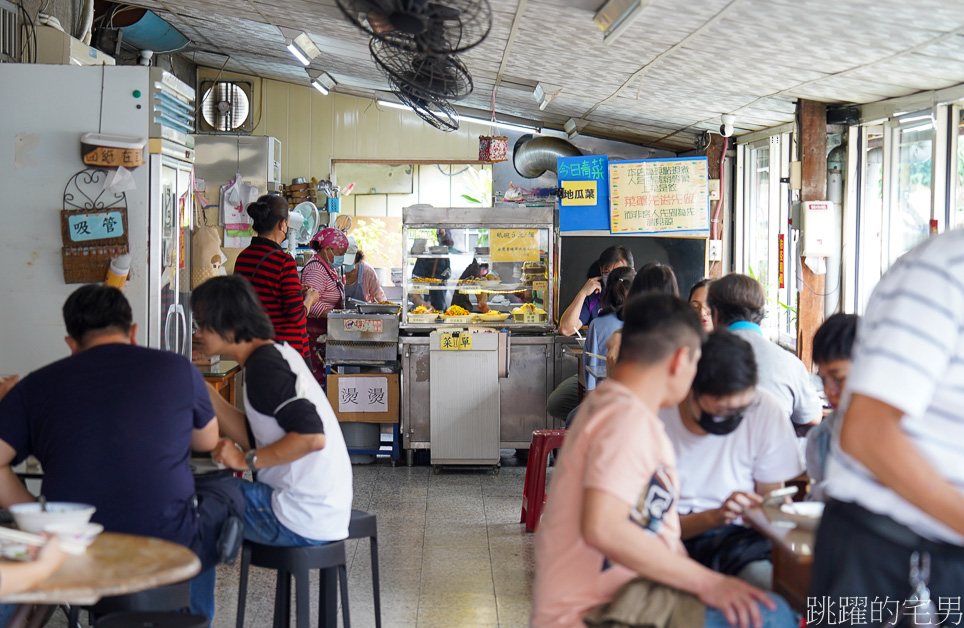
(529, 313)
(457, 314)
(423, 314)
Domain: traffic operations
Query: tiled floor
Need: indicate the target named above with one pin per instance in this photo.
(451, 553)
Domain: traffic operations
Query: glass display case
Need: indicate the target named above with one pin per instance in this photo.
(479, 266)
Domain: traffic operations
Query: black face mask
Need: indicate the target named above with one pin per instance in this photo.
(719, 425)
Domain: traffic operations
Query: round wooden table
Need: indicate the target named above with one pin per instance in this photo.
(116, 564)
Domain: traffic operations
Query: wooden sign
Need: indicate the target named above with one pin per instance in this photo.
(659, 195)
(113, 157)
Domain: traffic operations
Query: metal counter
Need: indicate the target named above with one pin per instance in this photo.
(532, 377)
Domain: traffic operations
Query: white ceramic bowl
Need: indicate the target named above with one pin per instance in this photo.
(75, 538)
(30, 518)
(804, 514)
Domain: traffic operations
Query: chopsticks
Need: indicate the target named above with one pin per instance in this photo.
(19, 536)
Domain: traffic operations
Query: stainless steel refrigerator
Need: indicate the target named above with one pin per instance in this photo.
(44, 111)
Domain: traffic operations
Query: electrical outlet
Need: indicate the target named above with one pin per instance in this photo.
(716, 251)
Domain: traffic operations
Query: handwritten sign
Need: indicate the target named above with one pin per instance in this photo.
(364, 325)
(515, 245)
(659, 195)
(455, 341)
(584, 204)
(95, 226)
(362, 394)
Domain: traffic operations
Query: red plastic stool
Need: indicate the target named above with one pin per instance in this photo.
(534, 490)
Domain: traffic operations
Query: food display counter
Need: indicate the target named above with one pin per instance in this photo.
(493, 264)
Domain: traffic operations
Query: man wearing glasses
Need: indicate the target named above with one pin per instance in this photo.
(732, 446)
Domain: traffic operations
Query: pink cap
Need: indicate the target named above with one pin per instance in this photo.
(331, 238)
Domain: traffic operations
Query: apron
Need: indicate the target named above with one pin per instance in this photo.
(357, 290)
(318, 326)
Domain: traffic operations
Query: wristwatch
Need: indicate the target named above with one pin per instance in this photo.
(251, 459)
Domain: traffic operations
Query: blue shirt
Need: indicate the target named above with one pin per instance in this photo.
(112, 427)
(590, 308)
(600, 329)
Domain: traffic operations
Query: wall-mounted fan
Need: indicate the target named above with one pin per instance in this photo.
(440, 26)
(435, 111)
(422, 73)
(226, 107)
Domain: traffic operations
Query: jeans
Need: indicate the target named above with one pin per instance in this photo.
(260, 524)
(202, 594)
(783, 617)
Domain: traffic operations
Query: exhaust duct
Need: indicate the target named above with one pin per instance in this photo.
(533, 156)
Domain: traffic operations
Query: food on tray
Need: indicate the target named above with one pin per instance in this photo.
(456, 311)
(528, 308)
(491, 277)
(427, 280)
(469, 280)
(423, 309)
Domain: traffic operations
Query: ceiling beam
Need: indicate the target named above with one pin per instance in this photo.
(516, 21)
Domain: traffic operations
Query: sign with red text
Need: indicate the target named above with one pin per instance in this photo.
(659, 195)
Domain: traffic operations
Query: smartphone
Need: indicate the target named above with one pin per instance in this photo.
(777, 496)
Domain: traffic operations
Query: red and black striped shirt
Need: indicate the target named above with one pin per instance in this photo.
(274, 275)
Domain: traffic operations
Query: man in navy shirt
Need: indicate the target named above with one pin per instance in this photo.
(113, 426)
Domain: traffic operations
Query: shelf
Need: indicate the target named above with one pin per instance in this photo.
(446, 255)
(501, 289)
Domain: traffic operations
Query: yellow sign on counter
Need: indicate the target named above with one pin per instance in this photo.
(659, 195)
(579, 193)
(455, 341)
(515, 245)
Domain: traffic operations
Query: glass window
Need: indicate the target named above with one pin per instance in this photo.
(869, 266)
(910, 218)
(957, 209)
(758, 215)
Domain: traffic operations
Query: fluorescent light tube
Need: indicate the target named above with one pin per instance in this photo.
(320, 87)
(482, 121)
(300, 56)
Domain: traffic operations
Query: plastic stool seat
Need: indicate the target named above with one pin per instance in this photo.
(153, 620)
(298, 562)
(364, 525)
(534, 489)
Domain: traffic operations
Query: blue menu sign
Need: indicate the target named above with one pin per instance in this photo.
(95, 226)
(584, 205)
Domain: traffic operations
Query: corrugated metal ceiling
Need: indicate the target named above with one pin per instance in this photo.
(670, 76)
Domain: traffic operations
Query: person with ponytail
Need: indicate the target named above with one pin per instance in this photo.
(274, 274)
(321, 273)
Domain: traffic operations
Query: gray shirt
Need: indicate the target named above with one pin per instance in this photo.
(784, 375)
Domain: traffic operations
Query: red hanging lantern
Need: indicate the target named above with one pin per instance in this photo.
(493, 149)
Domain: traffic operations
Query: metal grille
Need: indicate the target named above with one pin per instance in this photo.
(9, 32)
(361, 351)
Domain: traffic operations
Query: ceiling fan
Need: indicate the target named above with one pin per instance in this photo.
(439, 26)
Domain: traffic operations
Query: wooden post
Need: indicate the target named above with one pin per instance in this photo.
(813, 155)
(713, 154)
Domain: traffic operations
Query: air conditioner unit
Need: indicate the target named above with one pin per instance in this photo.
(56, 47)
(226, 107)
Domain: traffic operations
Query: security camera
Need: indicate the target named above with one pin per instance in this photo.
(726, 129)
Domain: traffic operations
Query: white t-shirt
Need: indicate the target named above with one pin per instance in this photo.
(910, 354)
(312, 495)
(763, 448)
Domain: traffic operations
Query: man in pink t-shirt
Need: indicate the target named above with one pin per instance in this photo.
(610, 516)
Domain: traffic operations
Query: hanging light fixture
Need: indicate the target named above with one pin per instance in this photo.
(322, 81)
(299, 45)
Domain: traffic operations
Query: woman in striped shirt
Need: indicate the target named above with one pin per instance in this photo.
(274, 274)
(321, 274)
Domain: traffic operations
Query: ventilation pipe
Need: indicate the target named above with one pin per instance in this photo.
(533, 156)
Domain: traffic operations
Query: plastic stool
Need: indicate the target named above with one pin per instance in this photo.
(171, 597)
(362, 525)
(298, 562)
(534, 489)
(153, 620)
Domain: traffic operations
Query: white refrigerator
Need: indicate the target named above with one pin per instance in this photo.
(44, 111)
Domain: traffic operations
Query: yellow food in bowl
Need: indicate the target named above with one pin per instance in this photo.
(456, 311)
(422, 310)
